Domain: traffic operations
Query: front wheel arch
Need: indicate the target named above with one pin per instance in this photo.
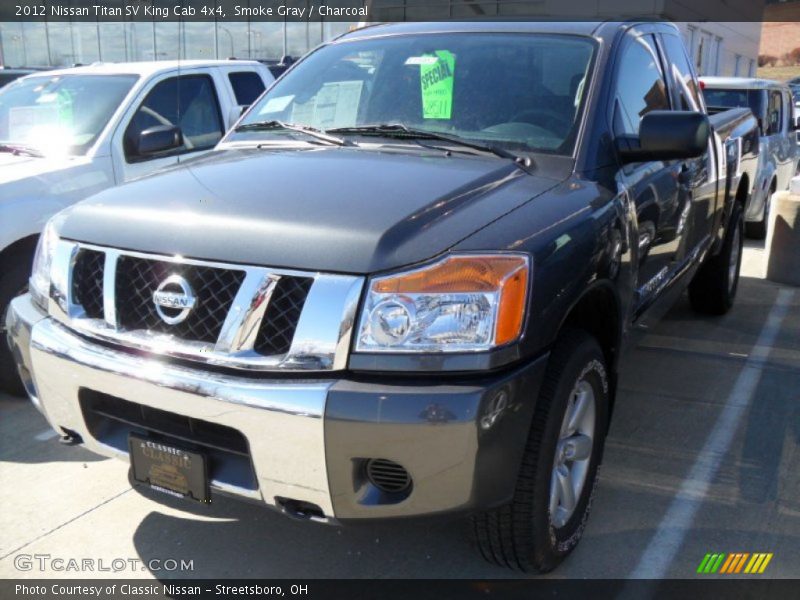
(598, 312)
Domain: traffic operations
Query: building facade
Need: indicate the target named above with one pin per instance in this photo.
(727, 49)
(780, 36)
(64, 43)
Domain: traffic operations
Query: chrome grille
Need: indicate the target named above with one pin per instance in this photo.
(243, 317)
(138, 278)
(87, 282)
(280, 320)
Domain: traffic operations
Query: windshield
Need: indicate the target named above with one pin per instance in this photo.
(522, 92)
(733, 98)
(60, 114)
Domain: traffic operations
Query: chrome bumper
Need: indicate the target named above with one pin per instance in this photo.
(306, 438)
(282, 422)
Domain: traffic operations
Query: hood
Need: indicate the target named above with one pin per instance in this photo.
(15, 168)
(330, 209)
(36, 175)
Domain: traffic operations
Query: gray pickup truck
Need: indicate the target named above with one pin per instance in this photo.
(403, 283)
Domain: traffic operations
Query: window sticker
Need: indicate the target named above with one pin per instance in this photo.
(335, 105)
(47, 122)
(274, 105)
(436, 82)
(25, 121)
(422, 60)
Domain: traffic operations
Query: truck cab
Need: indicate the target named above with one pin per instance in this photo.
(425, 311)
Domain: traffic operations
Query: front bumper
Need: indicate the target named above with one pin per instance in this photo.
(307, 439)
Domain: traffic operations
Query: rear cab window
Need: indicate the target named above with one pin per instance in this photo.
(775, 113)
(724, 98)
(247, 86)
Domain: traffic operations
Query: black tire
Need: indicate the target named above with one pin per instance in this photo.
(521, 535)
(713, 288)
(13, 282)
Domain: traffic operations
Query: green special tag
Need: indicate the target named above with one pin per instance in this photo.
(436, 81)
(64, 106)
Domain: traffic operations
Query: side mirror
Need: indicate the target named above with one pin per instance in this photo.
(666, 135)
(160, 138)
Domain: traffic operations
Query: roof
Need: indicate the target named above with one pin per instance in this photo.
(599, 29)
(521, 26)
(741, 83)
(145, 68)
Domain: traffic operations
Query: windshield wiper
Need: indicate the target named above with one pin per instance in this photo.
(398, 130)
(19, 149)
(312, 131)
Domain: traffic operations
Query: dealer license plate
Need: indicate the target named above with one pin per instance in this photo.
(169, 469)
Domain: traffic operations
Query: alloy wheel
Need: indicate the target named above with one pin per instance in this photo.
(573, 454)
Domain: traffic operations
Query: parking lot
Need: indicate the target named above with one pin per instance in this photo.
(703, 456)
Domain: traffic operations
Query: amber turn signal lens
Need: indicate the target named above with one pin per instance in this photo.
(511, 311)
(505, 274)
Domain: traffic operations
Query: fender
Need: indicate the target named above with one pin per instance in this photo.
(45, 188)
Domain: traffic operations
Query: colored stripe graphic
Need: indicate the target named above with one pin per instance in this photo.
(716, 564)
(755, 562)
(740, 564)
(765, 563)
(703, 563)
(710, 564)
(728, 562)
(734, 560)
(734, 563)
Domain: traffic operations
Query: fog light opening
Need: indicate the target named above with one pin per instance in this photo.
(388, 476)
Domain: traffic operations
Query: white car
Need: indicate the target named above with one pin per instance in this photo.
(67, 134)
(773, 106)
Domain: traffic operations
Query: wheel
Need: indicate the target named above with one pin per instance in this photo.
(546, 517)
(713, 289)
(13, 282)
(758, 229)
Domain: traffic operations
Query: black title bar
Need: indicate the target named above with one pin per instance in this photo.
(730, 588)
(393, 10)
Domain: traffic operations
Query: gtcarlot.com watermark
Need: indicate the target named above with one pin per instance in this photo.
(48, 562)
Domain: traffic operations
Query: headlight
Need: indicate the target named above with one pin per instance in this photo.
(40, 278)
(463, 303)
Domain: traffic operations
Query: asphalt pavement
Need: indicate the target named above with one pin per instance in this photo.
(703, 456)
